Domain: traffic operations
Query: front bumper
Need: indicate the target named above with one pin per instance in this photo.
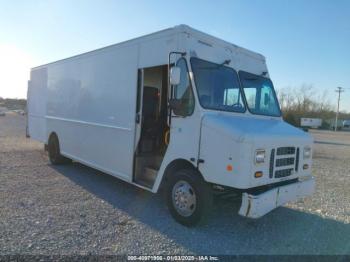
(255, 206)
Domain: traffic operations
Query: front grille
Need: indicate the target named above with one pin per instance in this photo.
(283, 162)
(283, 172)
(285, 151)
(297, 160)
(272, 162)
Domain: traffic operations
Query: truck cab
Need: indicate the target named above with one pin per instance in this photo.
(226, 119)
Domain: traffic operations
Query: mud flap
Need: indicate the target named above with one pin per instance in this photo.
(255, 206)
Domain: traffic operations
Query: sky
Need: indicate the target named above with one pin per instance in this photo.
(304, 42)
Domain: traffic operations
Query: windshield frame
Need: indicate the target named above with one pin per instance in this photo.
(273, 91)
(239, 87)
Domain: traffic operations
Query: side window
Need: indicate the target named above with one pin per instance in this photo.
(183, 91)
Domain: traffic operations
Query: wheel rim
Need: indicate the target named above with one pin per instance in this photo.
(184, 198)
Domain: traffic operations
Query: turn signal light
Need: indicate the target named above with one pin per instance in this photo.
(258, 174)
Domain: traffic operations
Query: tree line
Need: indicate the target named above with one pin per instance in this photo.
(306, 101)
(13, 103)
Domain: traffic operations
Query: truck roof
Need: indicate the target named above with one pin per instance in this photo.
(195, 32)
(182, 28)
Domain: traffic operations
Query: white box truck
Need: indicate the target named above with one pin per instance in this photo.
(310, 122)
(346, 125)
(179, 110)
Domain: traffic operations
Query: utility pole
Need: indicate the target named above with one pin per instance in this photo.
(338, 90)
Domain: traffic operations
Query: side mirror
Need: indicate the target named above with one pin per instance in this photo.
(175, 75)
(175, 105)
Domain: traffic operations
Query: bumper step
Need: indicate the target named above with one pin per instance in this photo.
(255, 206)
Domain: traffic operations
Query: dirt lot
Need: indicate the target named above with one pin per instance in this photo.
(77, 210)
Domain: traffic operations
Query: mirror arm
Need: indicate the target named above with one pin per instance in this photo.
(171, 87)
(169, 61)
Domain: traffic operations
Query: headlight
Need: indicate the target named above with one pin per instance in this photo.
(259, 156)
(307, 152)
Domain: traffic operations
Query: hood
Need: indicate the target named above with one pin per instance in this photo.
(252, 129)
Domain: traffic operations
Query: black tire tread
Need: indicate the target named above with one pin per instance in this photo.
(54, 151)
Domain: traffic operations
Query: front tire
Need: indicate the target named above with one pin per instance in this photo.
(189, 197)
(54, 151)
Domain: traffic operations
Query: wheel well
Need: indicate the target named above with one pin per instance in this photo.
(52, 135)
(174, 166)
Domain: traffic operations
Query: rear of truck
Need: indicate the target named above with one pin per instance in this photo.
(36, 104)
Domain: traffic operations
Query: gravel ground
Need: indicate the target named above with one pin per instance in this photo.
(74, 209)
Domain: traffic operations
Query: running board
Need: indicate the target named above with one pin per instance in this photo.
(148, 177)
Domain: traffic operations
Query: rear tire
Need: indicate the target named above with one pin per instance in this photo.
(54, 151)
(189, 197)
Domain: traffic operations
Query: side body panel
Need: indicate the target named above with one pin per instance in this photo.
(89, 101)
(219, 150)
(91, 106)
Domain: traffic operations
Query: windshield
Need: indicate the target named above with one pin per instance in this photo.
(260, 94)
(218, 86)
